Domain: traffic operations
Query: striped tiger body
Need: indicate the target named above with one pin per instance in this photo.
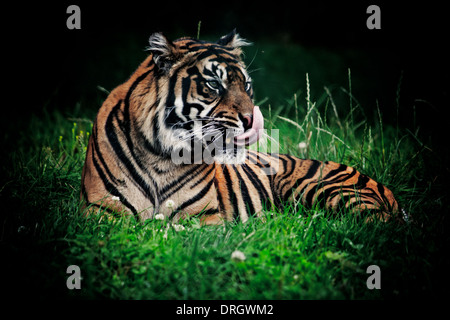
(171, 140)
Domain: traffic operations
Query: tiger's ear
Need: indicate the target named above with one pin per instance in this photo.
(165, 54)
(233, 40)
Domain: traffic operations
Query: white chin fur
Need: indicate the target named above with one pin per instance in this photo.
(230, 157)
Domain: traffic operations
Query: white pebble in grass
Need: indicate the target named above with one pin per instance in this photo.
(302, 145)
(238, 256)
(178, 227)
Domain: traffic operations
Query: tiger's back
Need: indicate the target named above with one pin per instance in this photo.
(247, 189)
(190, 95)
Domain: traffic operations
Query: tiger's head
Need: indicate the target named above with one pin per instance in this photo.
(205, 97)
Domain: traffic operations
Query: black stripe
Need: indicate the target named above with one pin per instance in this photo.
(149, 147)
(156, 140)
(254, 179)
(150, 63)
(245, 195)
(293, 163)
(219, 52)
(185, 86)
(342, 167)
(285, 164)
(339, 179)
(219, 196)
(341, 204)
(172, 118)
(177, 184)
(362, 181)
(126, 109)
(112, 189)
(221, 119)
(311, 172)
(381, 189)
(231, 195)
(256, 159)
(329, 193)
(336, 190)
(308, 198)
(96, 150)
(205, 175)
(214, 106)
(197, 197)
(209, 212)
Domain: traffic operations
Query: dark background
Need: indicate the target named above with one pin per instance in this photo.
(51, 67)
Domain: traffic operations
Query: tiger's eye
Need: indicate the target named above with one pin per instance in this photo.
(213, 84)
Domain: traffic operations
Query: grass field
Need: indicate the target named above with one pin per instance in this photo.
(292, 254)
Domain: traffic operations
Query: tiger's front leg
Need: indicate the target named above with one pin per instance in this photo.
(333, 186)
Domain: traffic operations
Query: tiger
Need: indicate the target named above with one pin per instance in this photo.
(193, 95)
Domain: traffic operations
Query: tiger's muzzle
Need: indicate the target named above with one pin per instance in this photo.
(252, 134)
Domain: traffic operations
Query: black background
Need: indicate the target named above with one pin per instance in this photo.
(44, 52)
(45, 61)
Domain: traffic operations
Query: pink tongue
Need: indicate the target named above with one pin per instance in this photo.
(252, 135)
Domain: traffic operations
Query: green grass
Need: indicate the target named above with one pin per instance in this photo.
(293, 254)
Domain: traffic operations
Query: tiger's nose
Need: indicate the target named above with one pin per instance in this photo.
(247, 121)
